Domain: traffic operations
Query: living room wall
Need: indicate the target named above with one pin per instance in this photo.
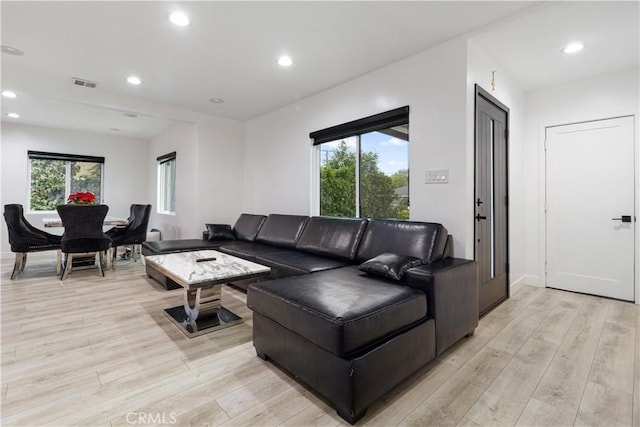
(278, 152)
(124, 182)
(605, 96)
(180, 138)
(209, 178)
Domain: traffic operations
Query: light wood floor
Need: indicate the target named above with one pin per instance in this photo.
(95, 351)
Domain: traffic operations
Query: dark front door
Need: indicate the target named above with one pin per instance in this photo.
(491, 201)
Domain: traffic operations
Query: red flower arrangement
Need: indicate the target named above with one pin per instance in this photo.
(80, 198)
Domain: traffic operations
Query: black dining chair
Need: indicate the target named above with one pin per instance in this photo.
(25, 238)
(83, 233)
(134, 233)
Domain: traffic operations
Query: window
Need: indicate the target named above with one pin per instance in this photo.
(364, 167)
(53, 176)
(167, 184)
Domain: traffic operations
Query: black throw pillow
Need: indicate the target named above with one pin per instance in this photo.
(390, 265)
(220, 232)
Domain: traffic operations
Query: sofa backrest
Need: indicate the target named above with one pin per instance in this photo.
(448, 248)
(424, 240)
(282, 230)
(247, 226)
(335, 237)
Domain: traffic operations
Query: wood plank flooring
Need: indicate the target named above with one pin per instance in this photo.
(93, 351)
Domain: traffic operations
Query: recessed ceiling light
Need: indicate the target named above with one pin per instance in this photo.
(11, 50)
(13, 115)
(180, 19)
(285, 61)
(134, 80)
(8, 94)
(573, 48)
(216, 100)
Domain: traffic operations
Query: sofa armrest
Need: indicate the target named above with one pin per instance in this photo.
(451, 286)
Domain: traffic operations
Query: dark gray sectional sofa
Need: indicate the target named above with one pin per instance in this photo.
(354, 306)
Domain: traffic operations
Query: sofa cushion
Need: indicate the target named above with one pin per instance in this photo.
(424, 240)
(341, 310)
(157, 247)
(335, 237)
(293, 262)
(247, 226)
(388, 265)
(282, 230)
(219, 232)
(248, 250)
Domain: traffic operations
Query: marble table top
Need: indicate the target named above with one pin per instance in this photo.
(109, 220)
(192, 268)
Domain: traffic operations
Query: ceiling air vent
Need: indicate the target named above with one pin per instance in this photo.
(84, 83)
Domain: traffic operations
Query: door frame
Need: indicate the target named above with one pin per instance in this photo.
(543, 191)
(479, 92)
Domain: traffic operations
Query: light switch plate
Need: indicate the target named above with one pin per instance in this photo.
(437, 176)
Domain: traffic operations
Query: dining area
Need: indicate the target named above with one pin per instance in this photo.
(84, 241)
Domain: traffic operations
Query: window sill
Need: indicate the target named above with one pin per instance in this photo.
(167, 213)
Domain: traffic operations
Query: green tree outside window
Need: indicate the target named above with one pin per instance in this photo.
(381, 195)
(49, 181)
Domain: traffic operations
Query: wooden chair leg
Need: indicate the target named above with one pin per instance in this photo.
(24, 262)
(17, 266)
(68, 260)
(99, 261)
(106, 258)
(114, 257)
(59, 261)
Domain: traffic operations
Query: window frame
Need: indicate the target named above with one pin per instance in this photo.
(162, 190)
(355, 128)
(68, 159)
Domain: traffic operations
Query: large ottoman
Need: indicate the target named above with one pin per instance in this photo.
(350, 337)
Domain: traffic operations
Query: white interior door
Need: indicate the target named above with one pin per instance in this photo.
(589, 182)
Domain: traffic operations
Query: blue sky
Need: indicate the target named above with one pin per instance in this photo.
(393, 152)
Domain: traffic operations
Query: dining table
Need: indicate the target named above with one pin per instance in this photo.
(108, 220)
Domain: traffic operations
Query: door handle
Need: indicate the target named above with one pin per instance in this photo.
(625, 218)
(479, 217)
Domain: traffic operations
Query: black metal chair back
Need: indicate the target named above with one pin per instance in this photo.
(25, 238)
(133, 234)
(83, 232)
(136, 230)
(83, 223)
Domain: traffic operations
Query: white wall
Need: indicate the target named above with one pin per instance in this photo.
(180, 138)
(277, 165)
(507, 91)
(611, 95)
(220, 171)
(209, 175)
(209, 164)
(125, 178)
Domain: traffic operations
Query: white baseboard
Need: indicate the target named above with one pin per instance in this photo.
(525, 279)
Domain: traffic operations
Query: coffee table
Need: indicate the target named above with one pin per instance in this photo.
(202, 274)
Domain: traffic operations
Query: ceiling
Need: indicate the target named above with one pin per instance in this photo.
(529, 47)
(230, 51)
